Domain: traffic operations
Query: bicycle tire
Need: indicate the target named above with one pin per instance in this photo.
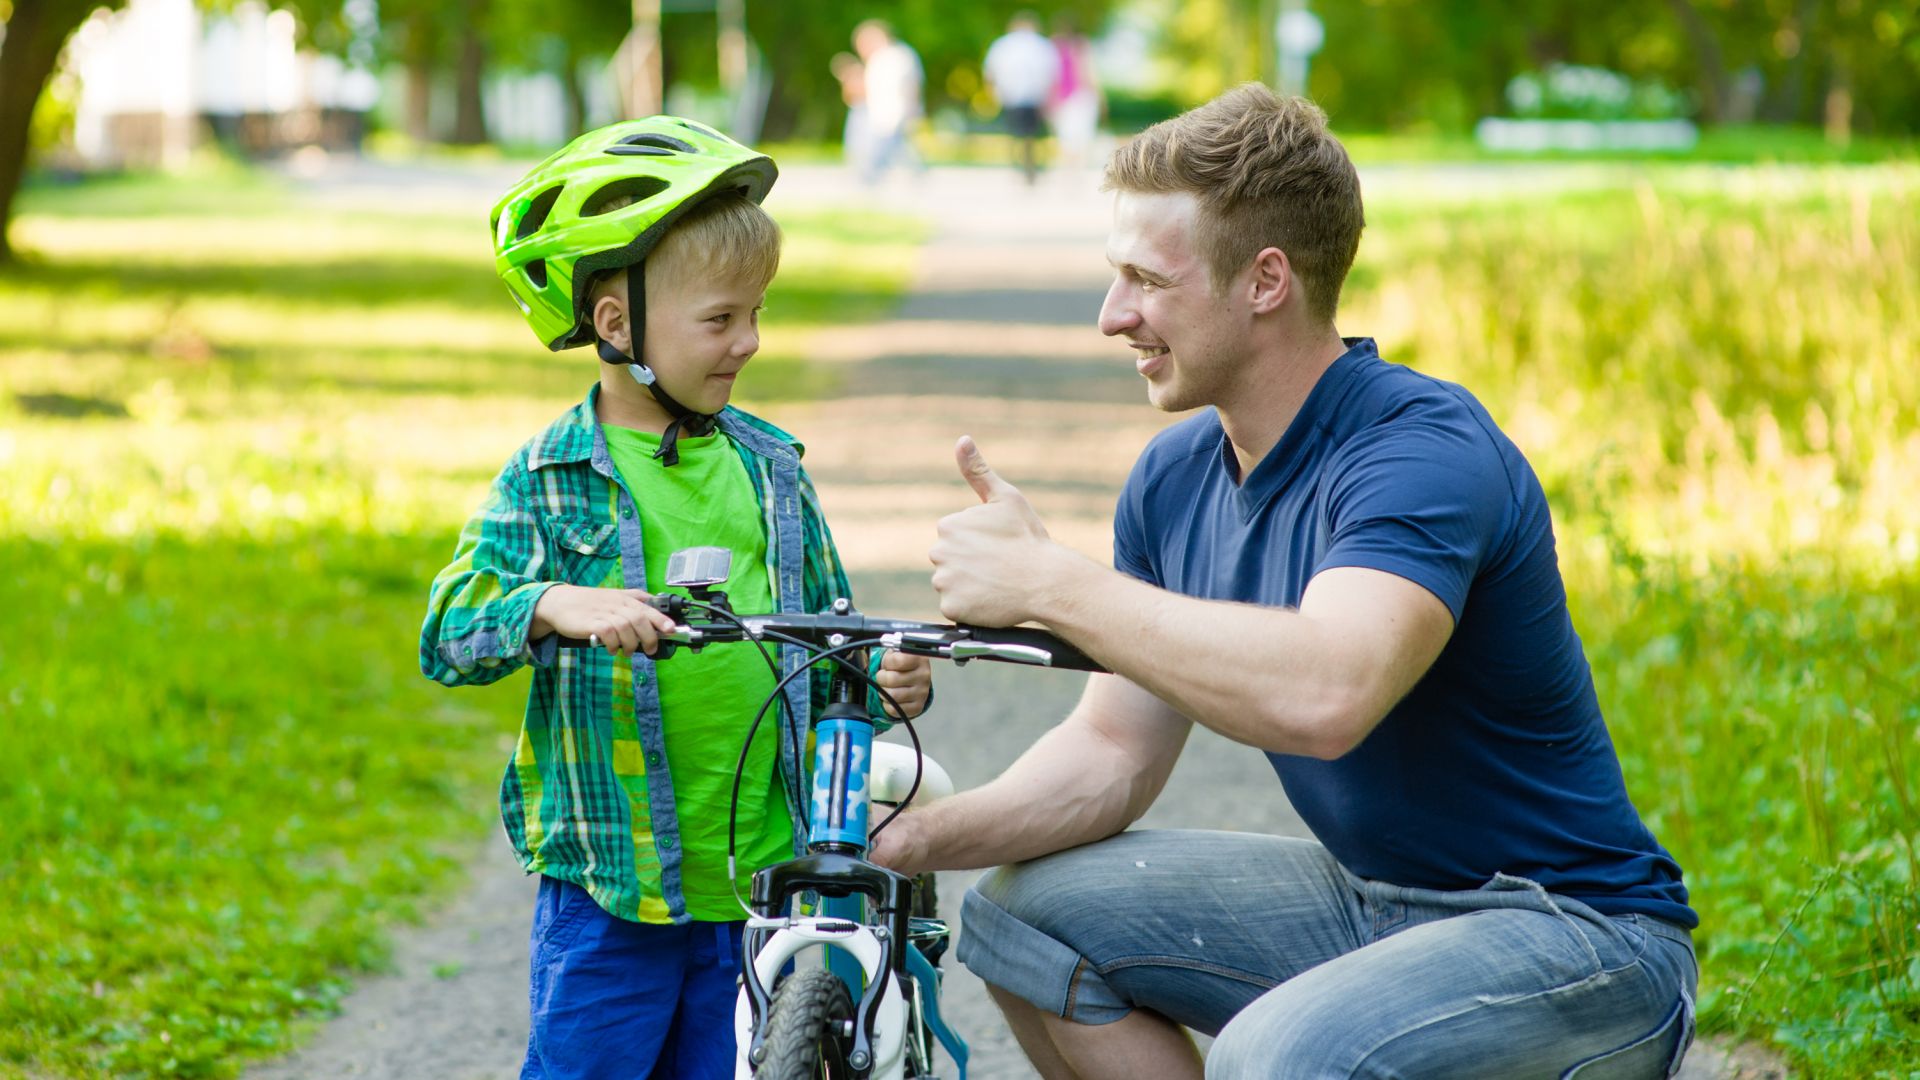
(810, 1009)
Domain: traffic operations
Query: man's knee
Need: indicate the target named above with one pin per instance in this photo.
(1295, 1036)
(1254, 1046)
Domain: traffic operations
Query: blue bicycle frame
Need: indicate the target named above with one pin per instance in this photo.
(848, 885)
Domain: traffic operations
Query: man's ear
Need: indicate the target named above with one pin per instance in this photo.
(610, 323)
(1272, 281)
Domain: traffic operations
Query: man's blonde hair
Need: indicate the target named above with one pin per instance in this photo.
(1266, 173)
(723, 237)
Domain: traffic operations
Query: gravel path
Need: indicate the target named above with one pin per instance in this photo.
(996, 340)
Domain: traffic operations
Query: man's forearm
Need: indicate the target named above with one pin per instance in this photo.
(1071, 787)
(1268, 677)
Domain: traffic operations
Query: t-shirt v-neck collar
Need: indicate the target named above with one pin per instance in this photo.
(1273, 472)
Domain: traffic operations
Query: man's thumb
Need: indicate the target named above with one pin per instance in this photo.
(980, 476)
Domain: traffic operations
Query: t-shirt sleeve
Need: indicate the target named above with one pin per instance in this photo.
(1426, 502)
(1130, 529)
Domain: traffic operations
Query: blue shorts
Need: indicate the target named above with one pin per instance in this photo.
(615, 999)
(1303, 969)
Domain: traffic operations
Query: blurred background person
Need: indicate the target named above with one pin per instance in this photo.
(852, 75)
(893, 82)
(1023, 67)
(1077, 105)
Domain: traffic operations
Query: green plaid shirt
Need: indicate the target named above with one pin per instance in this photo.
(587, 797)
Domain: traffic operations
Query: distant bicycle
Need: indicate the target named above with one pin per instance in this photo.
(873, 1013)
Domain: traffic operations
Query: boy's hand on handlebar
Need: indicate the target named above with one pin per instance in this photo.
(909, 679)
(990, 557)
(621, 619)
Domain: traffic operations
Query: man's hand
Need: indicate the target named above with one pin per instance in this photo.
(990, 558)
(901, 846)
(622, 619)
(909, 679)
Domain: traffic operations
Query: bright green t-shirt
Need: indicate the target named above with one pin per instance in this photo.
(707, 700)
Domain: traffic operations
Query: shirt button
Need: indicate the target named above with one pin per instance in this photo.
(626, 511)
(653, 757)
(669, 842)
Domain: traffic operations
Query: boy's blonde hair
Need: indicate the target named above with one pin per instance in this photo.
(1266, 173)
(725, 236)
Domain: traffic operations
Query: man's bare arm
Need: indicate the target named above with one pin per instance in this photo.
(1087, 779)
(1312, 681)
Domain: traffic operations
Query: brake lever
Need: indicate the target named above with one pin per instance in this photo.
(963, 651)
(948, 646)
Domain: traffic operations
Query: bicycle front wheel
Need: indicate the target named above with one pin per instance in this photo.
(809, 1029)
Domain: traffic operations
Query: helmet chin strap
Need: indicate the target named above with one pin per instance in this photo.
(685, 420)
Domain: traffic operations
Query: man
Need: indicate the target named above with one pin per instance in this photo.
(1022, 67)
(1343, 563)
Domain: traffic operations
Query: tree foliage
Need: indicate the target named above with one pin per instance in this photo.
(1444, 63)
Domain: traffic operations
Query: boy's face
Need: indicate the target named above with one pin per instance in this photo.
(700, 332)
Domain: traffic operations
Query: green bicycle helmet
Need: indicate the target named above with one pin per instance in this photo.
(548, 241)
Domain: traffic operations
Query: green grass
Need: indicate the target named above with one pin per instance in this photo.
(231, 781)
(1767, 719)
(238, 434)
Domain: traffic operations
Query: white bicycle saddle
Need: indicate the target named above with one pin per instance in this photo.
(892, 775)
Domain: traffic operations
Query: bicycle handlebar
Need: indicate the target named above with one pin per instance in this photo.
(959, 643)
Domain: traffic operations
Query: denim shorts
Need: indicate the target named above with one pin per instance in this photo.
(1302, 969)
(615, 999)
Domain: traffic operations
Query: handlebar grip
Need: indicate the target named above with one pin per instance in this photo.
(1065, 655)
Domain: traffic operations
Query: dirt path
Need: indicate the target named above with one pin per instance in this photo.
(996, 340)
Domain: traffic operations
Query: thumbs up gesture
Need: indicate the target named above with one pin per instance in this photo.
(980, 476)
(989, 559)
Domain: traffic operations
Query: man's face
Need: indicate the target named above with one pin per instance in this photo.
(1188, 342)
(700, 333)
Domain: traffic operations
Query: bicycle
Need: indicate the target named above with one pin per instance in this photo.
(801, 1024)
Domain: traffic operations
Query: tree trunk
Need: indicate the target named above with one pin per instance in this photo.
(646, 88)
(732, 17)
(783, 109)
(419, 49)
(576, 94)
(1839, 110)
(1787, 104)
(1714, 89)
(469, 111)
(36, 32)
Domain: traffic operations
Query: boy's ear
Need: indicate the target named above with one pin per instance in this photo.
(610, 323)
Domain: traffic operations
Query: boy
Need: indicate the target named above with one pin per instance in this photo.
(618, 792)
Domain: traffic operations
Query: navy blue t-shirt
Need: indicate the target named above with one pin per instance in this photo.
(1498, 760)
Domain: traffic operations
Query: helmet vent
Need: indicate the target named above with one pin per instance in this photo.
(702, 129)
(622, 193)
(537, 212)
(537, 273)
(648, 142)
